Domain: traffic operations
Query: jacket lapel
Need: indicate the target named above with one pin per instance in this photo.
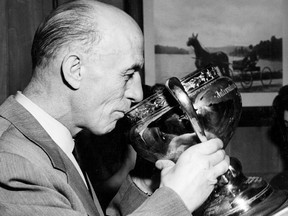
(29, 127)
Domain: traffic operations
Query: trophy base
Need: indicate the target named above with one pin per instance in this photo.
(237, 199)
(235, 194)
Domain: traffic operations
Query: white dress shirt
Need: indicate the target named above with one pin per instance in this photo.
(57, 131)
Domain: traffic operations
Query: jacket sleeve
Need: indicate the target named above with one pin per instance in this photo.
(132, 201)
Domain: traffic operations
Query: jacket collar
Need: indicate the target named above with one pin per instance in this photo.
(12, 111)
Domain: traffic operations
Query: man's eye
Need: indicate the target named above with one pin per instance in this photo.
(129, 76)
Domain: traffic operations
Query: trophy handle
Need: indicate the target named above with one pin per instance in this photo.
(175, 87)
(177, 90)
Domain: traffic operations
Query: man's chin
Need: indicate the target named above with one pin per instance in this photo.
(103, 128)
(108, 128)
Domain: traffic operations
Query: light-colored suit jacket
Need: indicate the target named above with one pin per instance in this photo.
(37, 178)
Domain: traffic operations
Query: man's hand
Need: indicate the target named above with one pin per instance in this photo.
(195, 173)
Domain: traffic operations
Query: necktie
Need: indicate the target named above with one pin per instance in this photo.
(93, 194)
(72, 157)
(87, 182)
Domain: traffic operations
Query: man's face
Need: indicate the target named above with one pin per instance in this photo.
(112, 81)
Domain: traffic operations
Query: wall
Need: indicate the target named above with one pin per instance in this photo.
(258, 154)
(19, 20)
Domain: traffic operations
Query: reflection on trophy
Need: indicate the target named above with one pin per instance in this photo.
(209, 105)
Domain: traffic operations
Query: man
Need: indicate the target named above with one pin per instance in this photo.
(251, 58)
(86, 60)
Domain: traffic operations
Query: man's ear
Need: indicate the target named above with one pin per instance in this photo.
(72, 72)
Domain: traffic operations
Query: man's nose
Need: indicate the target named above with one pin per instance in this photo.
(134, 91)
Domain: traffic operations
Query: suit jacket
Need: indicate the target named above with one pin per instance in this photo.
(37, 178)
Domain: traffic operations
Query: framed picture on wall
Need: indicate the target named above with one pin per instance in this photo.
(177, 33)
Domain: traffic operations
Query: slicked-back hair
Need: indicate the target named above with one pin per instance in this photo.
(69, 24)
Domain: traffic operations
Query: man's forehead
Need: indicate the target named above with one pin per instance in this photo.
(111, 45)
(117, 32)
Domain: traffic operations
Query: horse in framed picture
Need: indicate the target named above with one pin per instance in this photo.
(205, 58)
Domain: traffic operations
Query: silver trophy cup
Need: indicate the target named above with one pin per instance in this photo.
(208, 105)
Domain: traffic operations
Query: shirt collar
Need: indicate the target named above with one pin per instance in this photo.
(57, 131)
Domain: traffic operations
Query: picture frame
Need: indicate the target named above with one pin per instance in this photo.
(251, 100)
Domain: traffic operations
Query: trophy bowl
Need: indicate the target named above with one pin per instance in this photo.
(159, 118)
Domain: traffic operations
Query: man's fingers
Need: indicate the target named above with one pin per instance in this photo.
(163, 164)
(220, 168)
(217, 157)
(186, 139)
